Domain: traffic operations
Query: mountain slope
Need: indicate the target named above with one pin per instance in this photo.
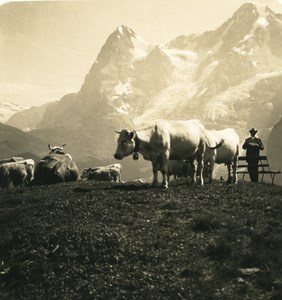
(14, 142)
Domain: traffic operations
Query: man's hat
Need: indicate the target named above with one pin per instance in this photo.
(253, 130)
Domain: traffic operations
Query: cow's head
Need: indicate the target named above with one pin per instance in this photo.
(56, 149)
(126, 143)
(86, 173)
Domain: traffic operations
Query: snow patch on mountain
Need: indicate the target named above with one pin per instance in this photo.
(124, 108)
(7, 109)
(261, 11)
(140, 47)
(226, 104)
(122, 89)
(239, 50)
(209, 69)
(163, 103)
(262, 22)
(119, 92)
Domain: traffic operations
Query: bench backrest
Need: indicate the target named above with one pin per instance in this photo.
(259, 157)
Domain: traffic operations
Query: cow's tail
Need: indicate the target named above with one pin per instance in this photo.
(216, 146)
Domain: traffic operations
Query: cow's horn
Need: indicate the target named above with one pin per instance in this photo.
(50, 147)
(118, 132)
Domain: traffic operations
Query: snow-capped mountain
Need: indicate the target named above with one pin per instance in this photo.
(7, 109)
(229, 77)
(217, 74)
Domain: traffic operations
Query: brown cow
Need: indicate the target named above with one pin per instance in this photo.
(55, 167)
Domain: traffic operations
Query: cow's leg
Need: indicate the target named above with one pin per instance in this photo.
(155, 165)
(200, 172)
(207, 173)
(229, 179)
(168, 177)
(200, 167)
(164, 168)
(191, 171)
(211, 168)
(234, 167)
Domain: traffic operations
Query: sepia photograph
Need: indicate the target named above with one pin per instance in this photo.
(140, 149)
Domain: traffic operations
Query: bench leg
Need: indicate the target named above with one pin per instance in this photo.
(272, 177)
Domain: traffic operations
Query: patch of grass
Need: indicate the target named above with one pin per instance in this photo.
(204, 222)
(190, 272)
(220, 250)
(85, 240)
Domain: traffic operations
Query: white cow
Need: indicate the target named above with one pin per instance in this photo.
(104, 173)
(11, 159)
(227, 152)
(163, 140)
(16, 173)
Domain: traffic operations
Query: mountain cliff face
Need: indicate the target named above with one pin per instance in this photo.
(229, 77)
(124, 73)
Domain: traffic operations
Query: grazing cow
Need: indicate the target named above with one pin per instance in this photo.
(164, 140)
(55, 167)
(94, 173)
(16, 173)
(227, 153)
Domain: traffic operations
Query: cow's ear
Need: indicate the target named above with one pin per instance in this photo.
(132, 135)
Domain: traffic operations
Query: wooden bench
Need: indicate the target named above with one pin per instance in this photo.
(263, 167)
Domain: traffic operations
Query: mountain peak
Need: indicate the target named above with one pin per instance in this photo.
(252, 6)
(254, 10)
(139, 47)
(125, 40)
(124, 31)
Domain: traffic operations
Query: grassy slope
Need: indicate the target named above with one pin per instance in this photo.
(86, 240)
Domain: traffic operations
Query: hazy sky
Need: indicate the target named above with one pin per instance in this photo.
(47, 48)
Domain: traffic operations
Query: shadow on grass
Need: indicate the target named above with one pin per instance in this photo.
(133, 186)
